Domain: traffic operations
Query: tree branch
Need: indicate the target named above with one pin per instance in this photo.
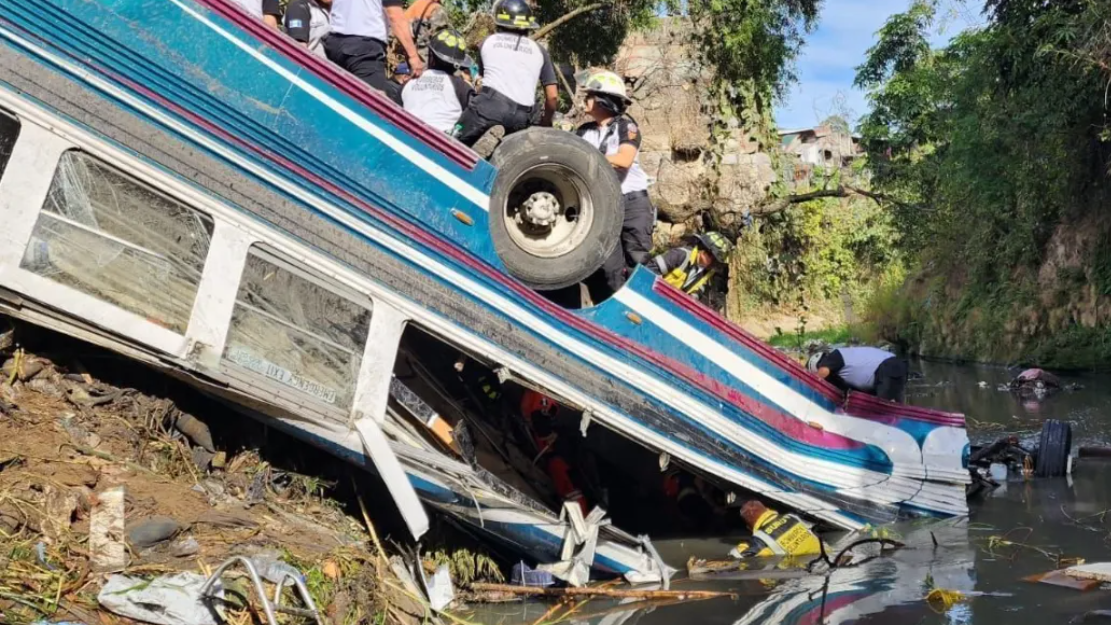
(778, 204)
(550, 26)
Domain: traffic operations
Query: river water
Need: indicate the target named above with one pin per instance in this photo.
(890, 590)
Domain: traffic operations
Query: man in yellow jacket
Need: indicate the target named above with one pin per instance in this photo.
(689, 267)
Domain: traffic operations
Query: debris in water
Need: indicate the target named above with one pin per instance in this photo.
(1060, 578)
(523, 575)
(441, 592)
(941, 599)
(1098, 571)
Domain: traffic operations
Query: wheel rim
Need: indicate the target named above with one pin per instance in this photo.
(548, 211)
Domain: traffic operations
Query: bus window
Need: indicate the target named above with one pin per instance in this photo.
(290, 329)
(9, 132)
(109, 236)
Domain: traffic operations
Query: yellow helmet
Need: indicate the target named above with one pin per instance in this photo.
(608, 83)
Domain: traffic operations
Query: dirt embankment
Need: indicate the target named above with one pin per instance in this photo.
(67, 437)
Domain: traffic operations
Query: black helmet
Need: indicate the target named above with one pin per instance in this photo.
(448, 46)
(718, 246)
(515, 14)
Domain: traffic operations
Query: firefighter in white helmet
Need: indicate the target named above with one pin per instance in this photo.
(615, 133)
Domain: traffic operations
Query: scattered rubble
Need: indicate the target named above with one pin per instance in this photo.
(111, 497)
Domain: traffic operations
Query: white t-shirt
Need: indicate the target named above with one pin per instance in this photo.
(362, 18)
(618, 132)
(512, 64)
(436, 98)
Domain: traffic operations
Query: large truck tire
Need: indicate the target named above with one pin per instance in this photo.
(556, 208)
(1053, 449)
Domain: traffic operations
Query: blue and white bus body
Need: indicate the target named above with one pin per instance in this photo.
(274, 148)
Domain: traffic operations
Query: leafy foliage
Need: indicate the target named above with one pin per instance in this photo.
(992, 142)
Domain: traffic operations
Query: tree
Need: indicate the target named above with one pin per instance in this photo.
(995, 138)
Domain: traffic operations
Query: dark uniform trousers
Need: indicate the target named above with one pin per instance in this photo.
(365, 57)
(488, 109)
(635, 248)
(891, 379)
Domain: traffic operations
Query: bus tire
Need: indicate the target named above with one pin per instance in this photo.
(556, 209)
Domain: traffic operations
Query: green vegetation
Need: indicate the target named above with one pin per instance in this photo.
(823, 256)
(794, 339)
(994, 151)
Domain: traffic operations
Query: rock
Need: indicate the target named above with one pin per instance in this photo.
(46, 387)
(196, 430)
(202, 458)
(78, 434)
(151, 531)
(185, 547)
(27, 370)
(61, 503)
(330, 569)
(82, 398)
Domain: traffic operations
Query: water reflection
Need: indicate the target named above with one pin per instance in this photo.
(891, 590)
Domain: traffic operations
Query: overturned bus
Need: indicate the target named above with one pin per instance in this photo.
(190, 189)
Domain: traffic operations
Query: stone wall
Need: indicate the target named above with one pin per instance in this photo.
(670, 91)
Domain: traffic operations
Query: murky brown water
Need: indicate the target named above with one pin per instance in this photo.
(891, 590)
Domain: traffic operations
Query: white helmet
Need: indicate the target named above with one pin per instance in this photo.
(608, 83)
(812, 362)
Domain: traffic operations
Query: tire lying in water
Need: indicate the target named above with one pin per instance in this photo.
(556, 208)
(1053, 449)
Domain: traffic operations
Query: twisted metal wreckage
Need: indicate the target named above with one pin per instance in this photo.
(192, 190)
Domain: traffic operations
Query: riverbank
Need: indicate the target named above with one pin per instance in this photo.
(1010, 326)
(107, 468)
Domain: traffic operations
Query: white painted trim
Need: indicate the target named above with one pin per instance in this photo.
(377, 446)
(92, 310)
(24, 187)
(212, 309)
(793, 403)
(457, 184)
(372, 392)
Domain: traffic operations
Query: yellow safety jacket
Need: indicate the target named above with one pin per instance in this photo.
(688, 277)
(779, 535)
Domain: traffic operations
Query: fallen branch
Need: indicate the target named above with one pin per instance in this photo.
(621, 593)
(780, 204)
(567, 17)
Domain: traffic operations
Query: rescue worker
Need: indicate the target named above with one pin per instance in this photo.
(439, 96)
(866, 369)
(689, 267)
(775, 534)
(539, 411)
(269, 11)
(309, 21)
(616, 134)
(511, 65)
(358, 40)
